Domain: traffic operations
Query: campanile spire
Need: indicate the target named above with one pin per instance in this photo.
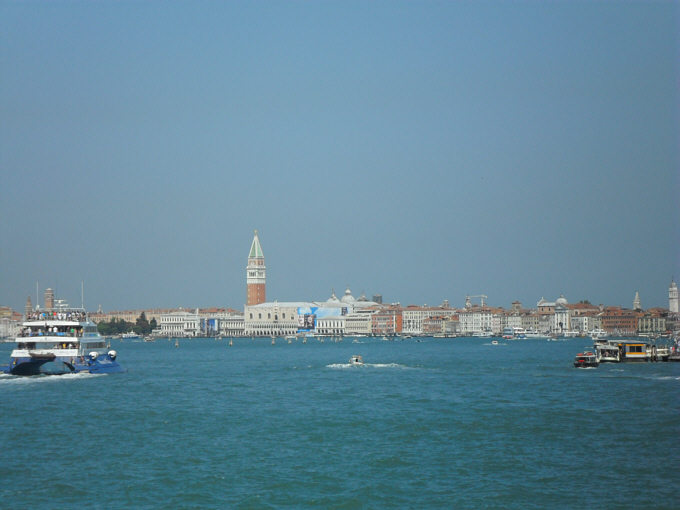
(255, 272)
(673, 296)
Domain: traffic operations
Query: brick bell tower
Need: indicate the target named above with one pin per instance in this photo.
(256, 274)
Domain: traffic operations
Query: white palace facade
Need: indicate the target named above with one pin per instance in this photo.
(316, 317)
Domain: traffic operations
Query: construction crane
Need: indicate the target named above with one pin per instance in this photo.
(468, 300)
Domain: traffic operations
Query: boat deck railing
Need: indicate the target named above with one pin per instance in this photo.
(38, 334)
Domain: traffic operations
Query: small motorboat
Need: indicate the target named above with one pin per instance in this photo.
(586, 360)
(356, 360)
(494, 342)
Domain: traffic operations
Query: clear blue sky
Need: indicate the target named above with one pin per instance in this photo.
(421, 150)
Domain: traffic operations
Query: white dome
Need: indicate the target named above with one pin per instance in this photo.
(333, 299)
(348, 298)
(562, 301)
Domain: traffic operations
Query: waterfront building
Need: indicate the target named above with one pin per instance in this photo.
(9, 328)
(10, 323)
(531, 320)
(513, 320)
(434, 325)
(561, 316)
(587, 310)
(451, 325)
(476, 320)
(333, 325)
(651, 322)
(387, 321)
(276, 319)
(290, 318)
(545, 323)
(545, 307)
(586, 321)
(359, 322)
(555, 317)
(413, 317)
(182, 324)
(673, 297)
(256, 277)
(619, 321)
(501, 319)
(233, 326)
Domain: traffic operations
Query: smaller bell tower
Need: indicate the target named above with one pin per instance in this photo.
(637, 302)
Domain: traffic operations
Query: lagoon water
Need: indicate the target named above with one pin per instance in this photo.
(441, 423)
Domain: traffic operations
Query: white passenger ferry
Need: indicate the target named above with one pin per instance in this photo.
(61, 341)
(532, 333)
(514, 333)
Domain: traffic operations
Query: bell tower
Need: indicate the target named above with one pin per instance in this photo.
(637, 303)
(256, 274)
(673, 296)
(49, 300)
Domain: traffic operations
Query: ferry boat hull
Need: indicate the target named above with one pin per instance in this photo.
(58, 365)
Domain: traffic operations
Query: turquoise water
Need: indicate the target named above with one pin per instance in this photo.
(455, 423)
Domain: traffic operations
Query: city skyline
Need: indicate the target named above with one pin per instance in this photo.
(423, 151)
(256, 260)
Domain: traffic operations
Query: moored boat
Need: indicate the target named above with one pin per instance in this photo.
(532, 333)
(607, 353)
(597, 334)
(61, 341)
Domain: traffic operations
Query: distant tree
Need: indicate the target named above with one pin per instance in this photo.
(142, 326)
(113, 327)
(153, 324)
(584, 302)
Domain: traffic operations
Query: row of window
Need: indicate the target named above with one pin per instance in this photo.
(269, 316)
